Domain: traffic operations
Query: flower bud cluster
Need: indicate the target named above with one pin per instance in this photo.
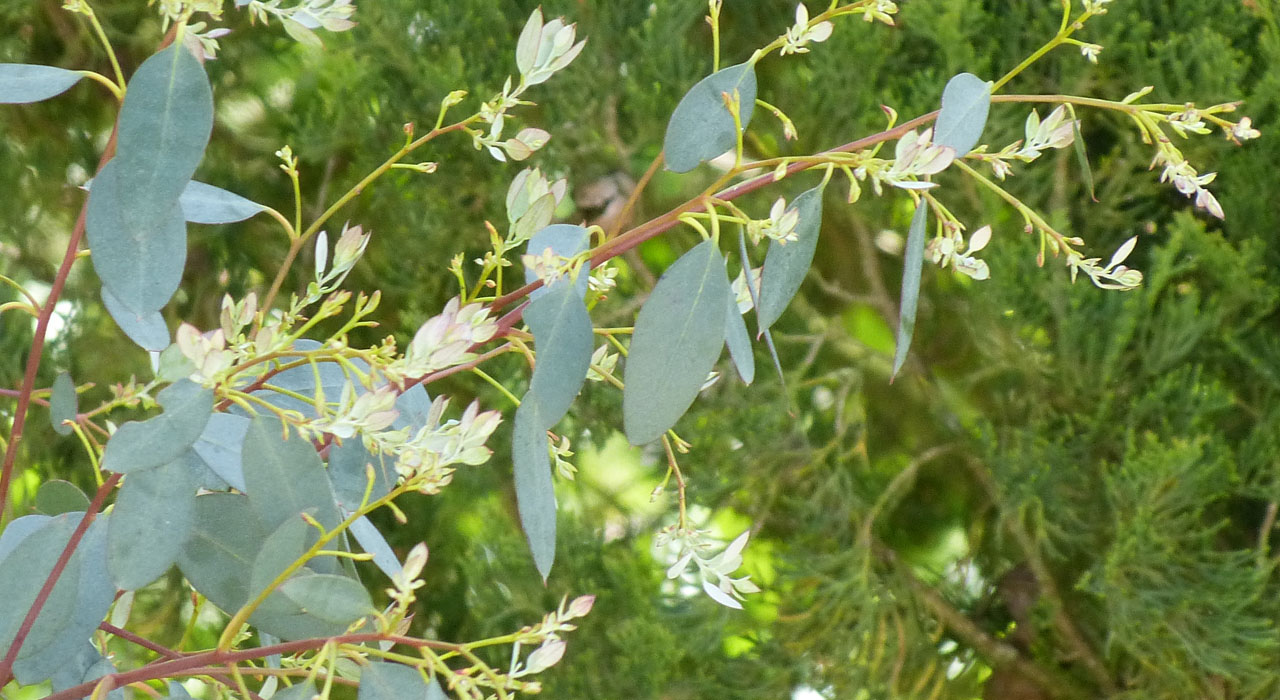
(531, 204)
(915, 156)
(426, 458)
(780, 226)
(951, 250)
(446, 340)
(1114, 275)
(690, 546)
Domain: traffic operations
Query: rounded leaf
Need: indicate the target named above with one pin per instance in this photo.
(147, 329)
(139, 445)
(702, 127)
(965, 102)
(63, 404)
(21, 83)
(785, 266)
(562, 335)
(152, 518)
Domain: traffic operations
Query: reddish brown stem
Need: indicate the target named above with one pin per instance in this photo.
(29, 621)
(168, 653)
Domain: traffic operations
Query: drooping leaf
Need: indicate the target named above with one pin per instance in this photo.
(535, 494)
(94, 596)
(912, 267)
(139, 243)
(678, 337)
(284, 477)
(739, 342)
(139, 445)
(63, 404)
(55, 497)
(206, 204)
(965, 102)
(565, 240)
(219, 447)
(147, 329)
(150, 524)
(562, 336)
(21, 83)
(701, 127)
(755, 302)
(224, 541)
(1081, 156)
(372, 542)
(84, 666)
(388, 681)
(164, 125)
(785, 266)
(23, 572)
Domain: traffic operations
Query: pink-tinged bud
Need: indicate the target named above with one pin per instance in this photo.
(581, 606)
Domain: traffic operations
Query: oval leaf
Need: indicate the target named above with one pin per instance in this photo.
(164, 126)
(23, 572)
(347, 469)
(56, 497)
(677, 340)
(965, 102)
(739, 342)
(336, 600)
(535, 494)
(147, 329)
(138, 243)
(206, 204)
(387, 681)
(21, 83)
(219, 447)
(63, 404)
(159, 440)
(224, 541)
(280, 550)
(150, 524)
(785, 266)
(912, 267)
(564, 240)
(702, 127)
(562, 335)
(284, 477)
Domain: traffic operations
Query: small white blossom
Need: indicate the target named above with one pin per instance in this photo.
(208, 352)
(371, 411)
(915, 156)
(947, 251)
(741, 294)
(1091, 51)
(605, 360)
(1114, 275)
(427, 456)
(1243, 131)
(446, 340)
(1188, 120)
(801, 33)
(545, 48)
(780, 226)
(1186, 180)
(712, 572)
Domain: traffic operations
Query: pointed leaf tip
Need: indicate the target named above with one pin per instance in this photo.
(912, 267)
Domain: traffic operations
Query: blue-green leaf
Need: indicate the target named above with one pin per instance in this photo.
(565, 240)
(177, 692)
(335, 600)
(55, 497)
(84, 665)
(165, 123)
(139, 445)
(206, 204)
(63, 404)
(678, 337)
(912, 267)
(147, 329)
(225, 539)
(21, 83)
(785, 266)
(220, 446)
(1081, 156)
(701, 127)
(562, 335)
(284, 477)
(23, 572)
(387, 681)
(347, 463)
(372, 542)
(535, 494)
(302, 690)
(150, 524)
(94, 597)
(138, 243)
(755, 301)
(739, 342)
(965, 102)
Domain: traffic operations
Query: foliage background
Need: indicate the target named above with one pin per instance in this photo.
(1128, 445)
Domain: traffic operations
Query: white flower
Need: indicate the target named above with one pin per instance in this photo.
(947, 251)
(1244, 130)
(780, 226)
(801, 33)
(544, 49)
(370, 412)
(603, 359)
(446, 340)
(915, 155)
(1114, 275)
(208, 352)
(1056, 131)
(741, 294)
(1186, 180)
(1091, 51)
(428, 455)
(713, 572)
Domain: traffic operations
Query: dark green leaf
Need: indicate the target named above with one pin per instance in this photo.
(56, 497)
(150, 524)
(785, 266)
(21, 82)
(284, 477)
(678, 337)
(388, 681)
(912, 267)
(147, 329)
(562, 336)
(220, 444)
(94, 597)
(206, 204)
(565, 240)
(63, 404)
(701, 127)
(219, 555)
(739, 342)
(159, 440)
(965, 102)
(164, 126)
(535, 494)
(139, 251)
